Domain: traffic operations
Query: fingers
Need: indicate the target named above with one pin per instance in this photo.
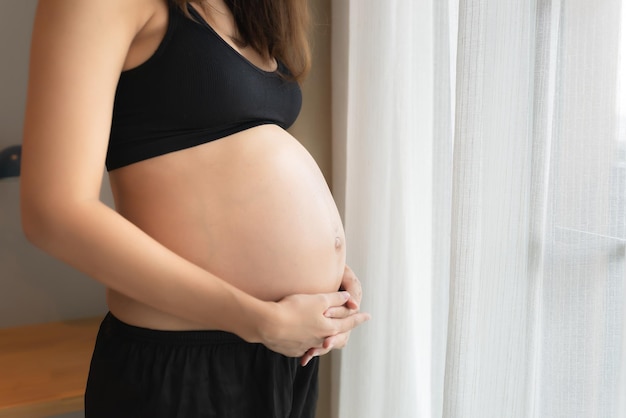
(352, 304)
(314, 352)
(339, 312)
(308, 356)
(351, 283)
(336, 299)
(331, 343)
(305, 321)
(343, 325)
(336, 341)
(344, 321)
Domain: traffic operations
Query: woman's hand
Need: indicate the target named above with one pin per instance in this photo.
(351, 284)
(299, 322)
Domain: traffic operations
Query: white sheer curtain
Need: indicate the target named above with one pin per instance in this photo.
(480, 164)
(388, 178)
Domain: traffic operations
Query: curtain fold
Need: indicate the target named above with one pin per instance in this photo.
(445, 17)
(479, 162)
(387, 170)
(582, 315)
(490, 298)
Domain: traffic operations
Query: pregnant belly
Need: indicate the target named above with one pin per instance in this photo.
(252, 208)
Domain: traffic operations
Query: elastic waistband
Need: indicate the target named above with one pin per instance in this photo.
(114, 326)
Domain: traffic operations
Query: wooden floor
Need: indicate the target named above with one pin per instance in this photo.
(43, 368)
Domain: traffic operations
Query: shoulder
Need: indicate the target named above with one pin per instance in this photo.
(76, 15)
(102, 29)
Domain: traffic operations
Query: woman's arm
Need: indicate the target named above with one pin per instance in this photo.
(78, 51)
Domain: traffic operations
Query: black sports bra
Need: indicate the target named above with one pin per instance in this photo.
(194, 89)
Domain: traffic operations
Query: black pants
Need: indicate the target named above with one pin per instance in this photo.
(142, 373)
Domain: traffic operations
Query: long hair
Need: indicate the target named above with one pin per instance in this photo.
(274, 28)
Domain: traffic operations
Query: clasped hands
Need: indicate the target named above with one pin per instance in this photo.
(312, 325)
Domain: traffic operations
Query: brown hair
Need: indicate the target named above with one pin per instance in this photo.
(275, 28)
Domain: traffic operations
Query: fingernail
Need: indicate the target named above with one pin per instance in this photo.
(346, 295)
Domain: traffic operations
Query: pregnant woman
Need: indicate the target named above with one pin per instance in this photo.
(225, 252)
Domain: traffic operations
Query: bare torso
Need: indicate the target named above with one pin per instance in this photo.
(252, 208)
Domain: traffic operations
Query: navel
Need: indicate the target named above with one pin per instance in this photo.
(338, 243)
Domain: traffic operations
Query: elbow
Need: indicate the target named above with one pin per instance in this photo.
(52, 216)
(41, 220)
(41, 213)
(53, 223)
(34, 221)
(32, 233)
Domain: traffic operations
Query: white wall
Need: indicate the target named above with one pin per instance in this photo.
(33, 286)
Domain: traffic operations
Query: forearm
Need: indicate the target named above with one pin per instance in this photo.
(99, 242)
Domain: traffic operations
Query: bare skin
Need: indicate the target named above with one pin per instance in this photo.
(240, 234)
